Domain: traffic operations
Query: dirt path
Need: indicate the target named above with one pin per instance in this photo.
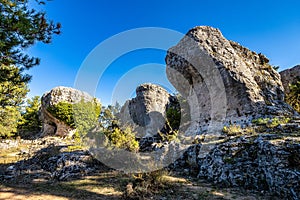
(112, 185)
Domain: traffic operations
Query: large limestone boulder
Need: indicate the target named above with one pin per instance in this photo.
(289, 76)
(52, 125)
(147, 111)
(223, 81)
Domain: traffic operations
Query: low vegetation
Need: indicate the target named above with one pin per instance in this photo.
(293, 98)
(83, 115)
(109, 185)
(30, 124)
(271, 123)
(123, 139)
(232, 130)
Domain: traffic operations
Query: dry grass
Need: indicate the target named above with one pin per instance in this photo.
(114, 185)
(108, 184)
(232, 130)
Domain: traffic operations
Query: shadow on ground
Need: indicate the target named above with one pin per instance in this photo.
(53, 172)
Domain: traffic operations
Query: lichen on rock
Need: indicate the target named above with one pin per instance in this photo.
(223, 80)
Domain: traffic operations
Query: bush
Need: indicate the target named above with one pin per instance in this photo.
(178, 113)
(64, 112)
(123, 139)
(261, 121)
(86, 115)
(108, 116)
(173, 117)
(271, 123)
(109, 125)
(169, 134)
(83, 115)
(276, 121)
(232, 130)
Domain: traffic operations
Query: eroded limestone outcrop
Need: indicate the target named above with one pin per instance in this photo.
(49, 158)
(226, 83)
(223, 81)
(147, 111)
(52, 125)
(289, 76)
(266, 162)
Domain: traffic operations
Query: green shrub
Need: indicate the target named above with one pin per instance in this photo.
(108, 116)
(123, 139)
(276, 121)
(173, 117)
(232, 130)
(271, 123)
(170, 135)
(86, 115)
(109, 126)
(179, 112)
(261, 121)
(30, 122)
(64, 112)
(83, 115)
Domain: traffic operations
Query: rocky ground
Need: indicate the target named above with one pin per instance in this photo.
(53, 168)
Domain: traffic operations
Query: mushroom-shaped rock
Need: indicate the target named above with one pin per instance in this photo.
(52, 125)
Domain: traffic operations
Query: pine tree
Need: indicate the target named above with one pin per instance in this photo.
(20, 28)
(30, 123)
(13, 90)
(13, 86)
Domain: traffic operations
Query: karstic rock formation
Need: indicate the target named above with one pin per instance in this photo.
(223, 81)
(52, 125)
(289, 76)
(225, 84)
(147, 111)
(265, 163)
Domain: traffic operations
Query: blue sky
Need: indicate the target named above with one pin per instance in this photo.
(270, 27)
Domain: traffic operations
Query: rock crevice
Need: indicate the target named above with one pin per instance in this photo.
(213, 72)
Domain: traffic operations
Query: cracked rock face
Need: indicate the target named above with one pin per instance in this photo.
(289, 76)
(224, 81)
(147, 111)
(51, 125)
(264, 163)
(50, 159)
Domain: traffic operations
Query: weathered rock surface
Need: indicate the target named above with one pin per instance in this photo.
(289, 76)
(224, 81)
(51, 125)
(48, 158)
(147, 111)
(264, 162)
